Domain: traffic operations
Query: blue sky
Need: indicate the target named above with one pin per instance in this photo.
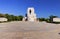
(43, 8)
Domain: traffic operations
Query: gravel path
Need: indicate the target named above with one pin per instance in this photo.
(29, 30)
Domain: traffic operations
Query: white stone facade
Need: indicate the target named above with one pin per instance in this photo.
(31, 16)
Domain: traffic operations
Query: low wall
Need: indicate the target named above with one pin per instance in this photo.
(3, 19)
(56, 19)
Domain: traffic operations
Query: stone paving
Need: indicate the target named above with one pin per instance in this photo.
(29, 30)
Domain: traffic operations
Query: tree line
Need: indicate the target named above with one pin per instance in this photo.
(20, 18)
(49, 19)
(12, 17)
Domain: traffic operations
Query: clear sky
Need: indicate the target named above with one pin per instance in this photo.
(43, 8)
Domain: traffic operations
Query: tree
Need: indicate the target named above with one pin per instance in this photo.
(1, 15)
(20, 17)
(9, 17)
(51, 18)
(47, 20)
(41, 19)
(12, 17)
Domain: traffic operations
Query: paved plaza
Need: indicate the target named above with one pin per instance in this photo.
(29, 30)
